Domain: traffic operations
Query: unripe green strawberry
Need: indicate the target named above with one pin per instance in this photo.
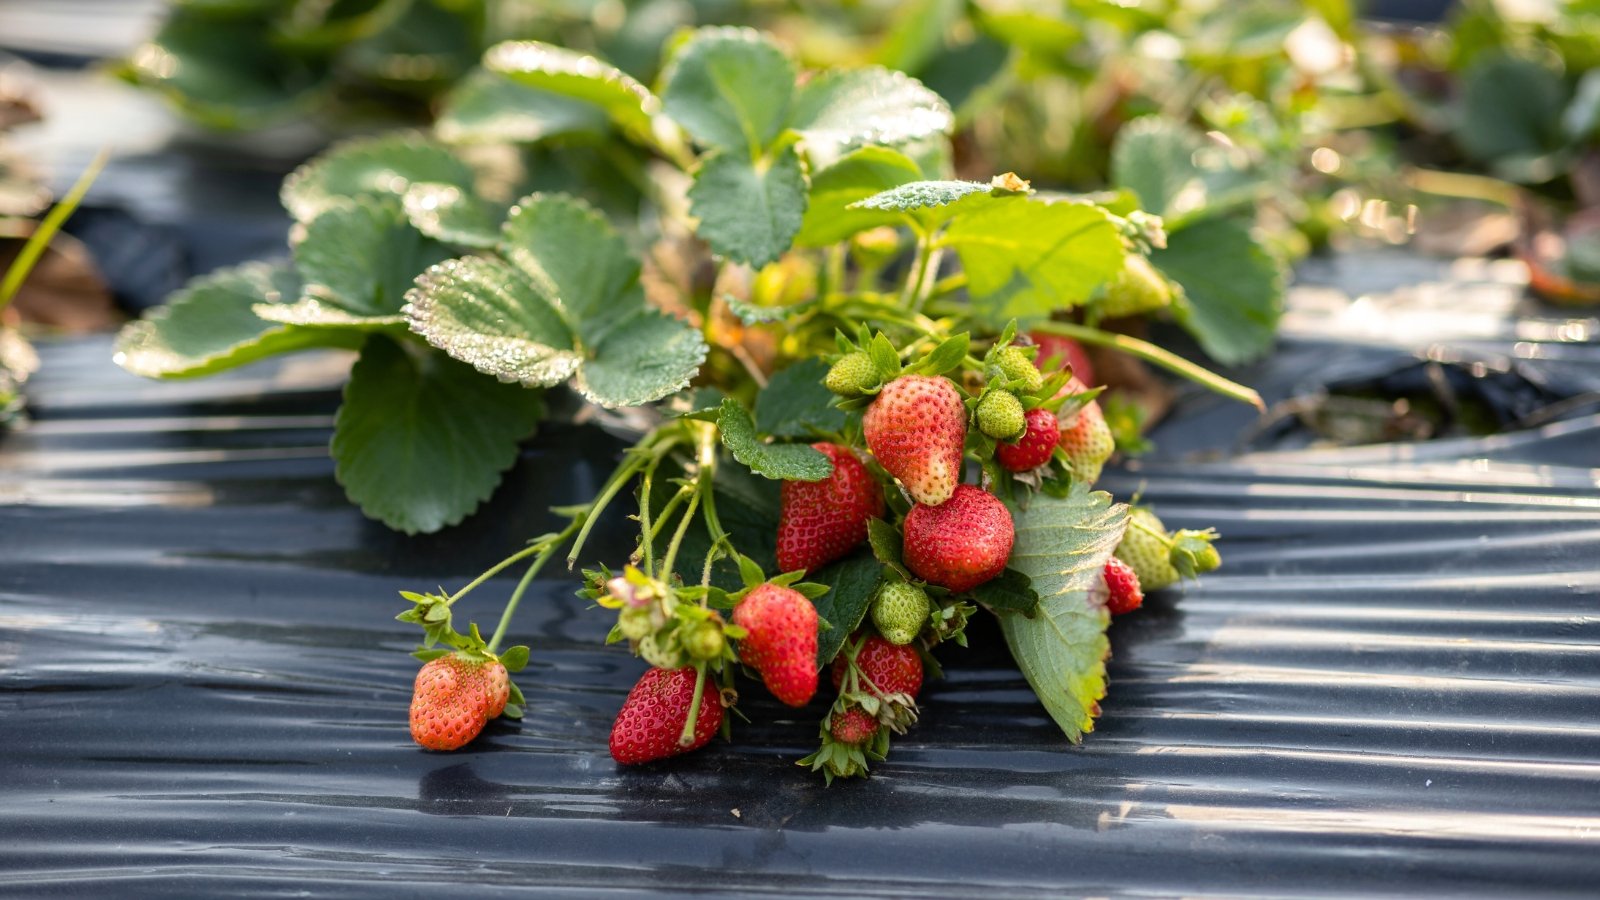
(662, 654)
(1088, 442)
(1138, 288)
(705, 641)
(1000, 416)
(852, 376)
(917, 428)
(899, 611)
(1015, 364)
(1146, 550)
(635, 623)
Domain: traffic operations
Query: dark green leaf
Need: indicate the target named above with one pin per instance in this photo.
(569, 249)
(578, 77)
(851, 583)
(1510, 107)
(842, 109)
(363, 255)
(794, 404)
(447, 213)
(374, 166)
(209, 326)
(647, 356)
(787, 462)
(1011, 592)
(887, 544)
(490, 108)
(747, 213)
(856, 176)
(486, 313)
(730, 89)
(1233, 288)
(421, 439)
(1062, 544)
(1026, 259)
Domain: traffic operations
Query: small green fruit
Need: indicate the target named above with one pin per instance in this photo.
(705, 641)
(1000, 416)
(662, 654)
(635, 623)
(1146, 549)
(1015, 364)
(1139, 288)
(899, 612)
(853, 375)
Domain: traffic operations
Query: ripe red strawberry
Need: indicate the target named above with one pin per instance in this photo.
(651, 719)
(917, 427)
(782, 641)
(821, 521)
(1064, 350)
(891, 668)
(853, 726)
(1036, 445)
(453, 698)
(962, 543)
(1122, 586)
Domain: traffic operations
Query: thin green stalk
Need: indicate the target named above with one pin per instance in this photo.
(667, 509)
(677, 537)
(545, 555)
(687, 737)
(636, 459)
(1152, 354)
(41, 237)
(494, 570)
(645, 487)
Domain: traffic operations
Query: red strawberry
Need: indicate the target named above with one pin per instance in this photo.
(890, 668)
(821, 521)
(917, 427)
(782, 644)
(962, 543)
(1122, 586)
(453, 698)
(1035, 447)
(853, 726)
(1065, 351)
(1087, 440)
(651, 719)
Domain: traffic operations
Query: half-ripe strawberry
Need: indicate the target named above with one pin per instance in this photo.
(1086, 439)
(781, 642)
(1065, 351)
(962, 543)
(1036, 445)
(886, 668)
(917, 428)
(653, 716)
(1122, 587)
(821, 521)
(853, 726)
(453, 698)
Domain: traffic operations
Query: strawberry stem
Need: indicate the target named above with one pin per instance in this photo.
(547, 550)
(1152, 354)
(496, 569)
(636, 459)
(687, 736)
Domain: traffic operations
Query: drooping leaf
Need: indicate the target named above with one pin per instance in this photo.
(1026, 258)
(490, 108)
(643, 358)
(1153, 156)
(794, 404)
(1233, 288)
(574, 75)
(858, 175)
(384, 166)
(1062, 544)
(363, 255)
(851, 584)
(422, 439)
(573, 253)
(449, 214)
(486, 313)
(209, 326)
(729, 88)
(749, 214)
(842, 109)
(783, 462)
(311, 312)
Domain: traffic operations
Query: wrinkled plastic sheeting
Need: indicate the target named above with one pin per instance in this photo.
(1390, 685)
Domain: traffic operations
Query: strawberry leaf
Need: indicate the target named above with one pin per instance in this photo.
(786, 462)
(794, 404)
(749, 213)
(515, 659)
(422, 439)
(1154, 157)
(851, 583)
(381, 166)
(362, 255)
(858, 175)
(648, 356)
(450, 214)
(1011, 592)
(491, 108)
(1062, 544)
(486, 313)
(842, 109)
(1232, 288)
(1027, 258)
(571, 251)
(932, 202)
(578, 77)
(887, 546)
(729, 88)
(211, 325)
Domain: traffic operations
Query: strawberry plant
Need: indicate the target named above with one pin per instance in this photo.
(849, 447)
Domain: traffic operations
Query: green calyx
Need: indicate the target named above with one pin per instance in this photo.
(899, 612)
(1000, 416)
